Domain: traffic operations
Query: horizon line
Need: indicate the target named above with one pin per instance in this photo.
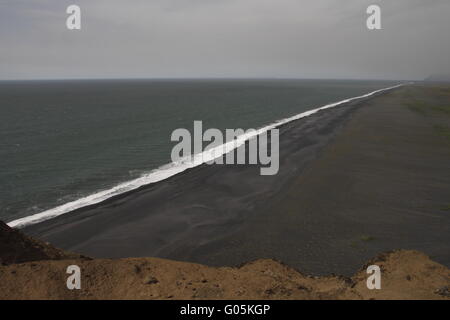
(200, 78)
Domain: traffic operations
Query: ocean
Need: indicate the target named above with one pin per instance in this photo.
(70, 143)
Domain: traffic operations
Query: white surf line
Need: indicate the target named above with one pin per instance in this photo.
(172, 169)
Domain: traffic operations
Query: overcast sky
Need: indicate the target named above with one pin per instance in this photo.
(224, 38)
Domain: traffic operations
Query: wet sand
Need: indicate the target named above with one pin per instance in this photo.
(355, 180)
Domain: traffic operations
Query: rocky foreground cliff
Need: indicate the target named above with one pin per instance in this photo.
(31, 269)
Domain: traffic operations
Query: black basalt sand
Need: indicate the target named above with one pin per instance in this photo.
(355, 180)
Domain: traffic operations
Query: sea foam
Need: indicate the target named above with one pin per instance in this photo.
(173, 168)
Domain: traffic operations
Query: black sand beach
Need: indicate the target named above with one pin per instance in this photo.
(355, 180)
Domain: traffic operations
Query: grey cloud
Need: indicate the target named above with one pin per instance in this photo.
(224, 38)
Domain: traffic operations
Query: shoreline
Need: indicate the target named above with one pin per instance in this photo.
(100, 197)
(334, 204)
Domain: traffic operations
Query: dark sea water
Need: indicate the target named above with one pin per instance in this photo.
(61, 141)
